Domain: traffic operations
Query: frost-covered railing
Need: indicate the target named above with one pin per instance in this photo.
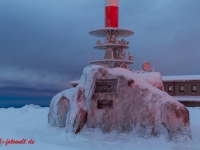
(111, 60)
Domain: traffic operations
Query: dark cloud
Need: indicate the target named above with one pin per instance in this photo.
(27, 91)
(45, 44)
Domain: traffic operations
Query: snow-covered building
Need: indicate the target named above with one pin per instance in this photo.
(182, 85)
(186, 89)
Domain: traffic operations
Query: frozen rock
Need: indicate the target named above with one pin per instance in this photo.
(59, 108)
(135, 104)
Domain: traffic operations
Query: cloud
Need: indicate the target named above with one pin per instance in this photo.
(45, 44)
(33, 79)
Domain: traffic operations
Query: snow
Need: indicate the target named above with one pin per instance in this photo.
(30, 122)
(181, 78)
(153, 78)
(74, 83)
(188, 98)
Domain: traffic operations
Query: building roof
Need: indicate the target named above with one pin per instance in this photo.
(187, 98)
(181, 78)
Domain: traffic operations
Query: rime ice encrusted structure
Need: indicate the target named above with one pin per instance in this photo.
(115, 55)
(139, 105)
(111, 97)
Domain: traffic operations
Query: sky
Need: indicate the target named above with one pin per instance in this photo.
(44, 44)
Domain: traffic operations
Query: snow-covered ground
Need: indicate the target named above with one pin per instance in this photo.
(30, 122)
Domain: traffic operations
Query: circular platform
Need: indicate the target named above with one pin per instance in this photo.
(108, 46)
(108, 31)
(106, 61)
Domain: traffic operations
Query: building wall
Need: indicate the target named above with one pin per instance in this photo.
(187, 88)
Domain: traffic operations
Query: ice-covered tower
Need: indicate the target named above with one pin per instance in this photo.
(115, 56)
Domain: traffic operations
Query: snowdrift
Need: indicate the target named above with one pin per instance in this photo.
(138, 105)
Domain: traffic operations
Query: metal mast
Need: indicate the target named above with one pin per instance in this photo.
(115, 56)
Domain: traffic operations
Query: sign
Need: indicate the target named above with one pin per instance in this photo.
(106, 86)
(104, 104)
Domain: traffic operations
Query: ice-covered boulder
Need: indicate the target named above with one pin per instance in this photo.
(120, 100)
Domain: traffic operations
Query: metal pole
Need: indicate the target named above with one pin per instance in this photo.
(111, 13)
(112, 54)
(91, 56)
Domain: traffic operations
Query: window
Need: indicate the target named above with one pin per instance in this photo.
(194, 88)
(170, 88)
(182, 88)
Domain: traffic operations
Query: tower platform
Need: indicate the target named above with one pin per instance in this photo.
(104, 32)
(111, 46)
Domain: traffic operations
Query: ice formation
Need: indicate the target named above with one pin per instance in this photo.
(139, 106)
